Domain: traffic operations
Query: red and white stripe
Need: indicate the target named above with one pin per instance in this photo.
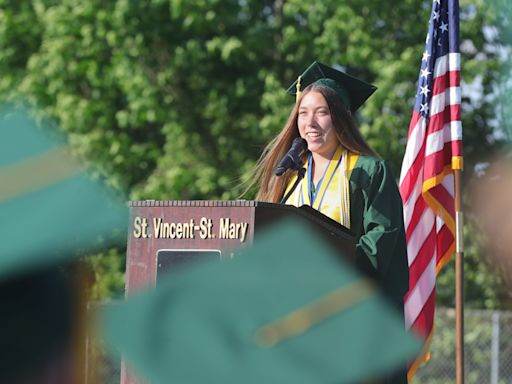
(427, 189)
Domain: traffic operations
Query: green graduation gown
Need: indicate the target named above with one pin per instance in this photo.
(376, 217)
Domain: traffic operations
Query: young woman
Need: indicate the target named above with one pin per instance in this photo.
(344, 179)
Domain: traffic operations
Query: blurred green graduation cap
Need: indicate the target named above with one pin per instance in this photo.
(352, 91)
(50, 213)
(49, 207)
(288, 310)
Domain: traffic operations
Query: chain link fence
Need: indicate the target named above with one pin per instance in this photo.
(487, 351)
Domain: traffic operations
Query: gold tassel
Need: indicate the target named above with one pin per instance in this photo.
(298, 92)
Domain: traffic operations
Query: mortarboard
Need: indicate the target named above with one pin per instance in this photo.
(287, 310)
(49, 206)
(352, 91)
(50, 213)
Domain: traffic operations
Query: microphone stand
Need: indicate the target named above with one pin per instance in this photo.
(300, 175)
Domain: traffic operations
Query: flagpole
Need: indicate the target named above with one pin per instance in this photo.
(459, 281)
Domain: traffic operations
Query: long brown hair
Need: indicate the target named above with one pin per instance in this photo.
(271, 187)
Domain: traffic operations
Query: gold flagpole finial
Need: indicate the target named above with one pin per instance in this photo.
(297, 94)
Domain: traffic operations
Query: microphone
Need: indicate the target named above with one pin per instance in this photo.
(292, 158)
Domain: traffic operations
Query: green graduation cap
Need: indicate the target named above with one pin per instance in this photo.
(49, 206)
(50, 213)
(287, 310)
(352, 91)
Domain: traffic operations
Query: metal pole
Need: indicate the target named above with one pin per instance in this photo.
(495, 347)
(459, 281)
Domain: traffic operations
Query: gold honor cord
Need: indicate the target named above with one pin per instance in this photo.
(304, 318)
(37, 173)
(327, 177)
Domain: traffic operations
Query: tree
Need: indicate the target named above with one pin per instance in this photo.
(175, 100)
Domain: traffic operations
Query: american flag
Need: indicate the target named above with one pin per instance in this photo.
(434, 150)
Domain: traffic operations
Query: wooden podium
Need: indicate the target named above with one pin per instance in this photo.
(164, 234)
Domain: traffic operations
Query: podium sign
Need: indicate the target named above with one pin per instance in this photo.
(164, 234)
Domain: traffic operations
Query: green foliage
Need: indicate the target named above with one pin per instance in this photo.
(172, 99)
(108, 270)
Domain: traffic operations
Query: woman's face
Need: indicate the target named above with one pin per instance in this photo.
(315, 124)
